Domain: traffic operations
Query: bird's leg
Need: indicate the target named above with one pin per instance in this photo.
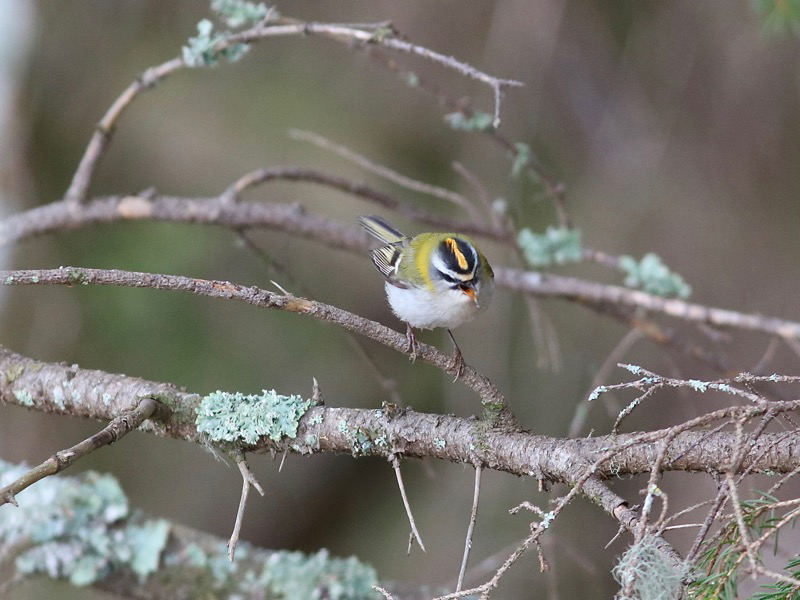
(411, 341)
(458, 359)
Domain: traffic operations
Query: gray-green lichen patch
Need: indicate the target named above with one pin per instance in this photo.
(237, 417)
(23, 397)
(74, 528)
(318, 576)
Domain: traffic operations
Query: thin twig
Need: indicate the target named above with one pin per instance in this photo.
(414, 531)
(554, 189)
(743, 530)
(248, 479)
(335, 31)
(383, 592)
(231, 195)
(115, 430)
(386, 173)
(480, 191)
(76, 193)
(614, 357)
(473, 517)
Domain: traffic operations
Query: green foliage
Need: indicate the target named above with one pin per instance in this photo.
(780, 16)
(73, 528)
(650, 570)
(558, 245)
(720, 560)
(652, 276)
(238, 13)
(317, 577)
(783, 590)
(236, 417)
(478, 121)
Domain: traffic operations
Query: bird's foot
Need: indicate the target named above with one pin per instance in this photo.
(458, 363)
(458, 360)
(411, 343)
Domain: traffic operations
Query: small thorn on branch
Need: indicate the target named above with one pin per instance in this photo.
(316, 394)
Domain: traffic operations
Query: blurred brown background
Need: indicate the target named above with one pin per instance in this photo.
(673, 125)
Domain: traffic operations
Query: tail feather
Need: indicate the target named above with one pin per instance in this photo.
(380, 229)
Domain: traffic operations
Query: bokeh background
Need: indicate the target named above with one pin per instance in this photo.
(674, 127)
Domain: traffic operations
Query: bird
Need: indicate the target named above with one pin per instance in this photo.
(432, 280)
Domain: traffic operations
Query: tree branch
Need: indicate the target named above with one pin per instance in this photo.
(96, 394)
(118, 428)
(61, 216)
(491, 397)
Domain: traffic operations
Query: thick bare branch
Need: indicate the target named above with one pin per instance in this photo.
(100, 395)
(489, 394)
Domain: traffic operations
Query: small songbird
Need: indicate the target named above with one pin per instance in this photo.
(432, 280)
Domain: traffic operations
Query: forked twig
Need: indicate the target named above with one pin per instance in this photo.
(248, 479)
(414, 531)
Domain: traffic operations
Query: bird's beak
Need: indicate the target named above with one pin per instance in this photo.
(470, 291)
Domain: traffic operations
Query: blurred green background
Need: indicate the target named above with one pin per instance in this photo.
(674, 127)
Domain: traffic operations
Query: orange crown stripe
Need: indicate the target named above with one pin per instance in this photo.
(462, 260)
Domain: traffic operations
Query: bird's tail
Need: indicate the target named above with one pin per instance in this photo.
(380, 229)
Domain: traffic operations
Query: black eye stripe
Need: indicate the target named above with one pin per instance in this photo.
(456, 282)
(448, 278)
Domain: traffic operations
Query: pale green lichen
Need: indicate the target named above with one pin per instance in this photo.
(478, 121)
(600, 389)
(652, 276)
(23, 397)
(649, 572)
(237, 417)
(318, 576)
(207, 47)
(557, 245)
(522, 158)
(58, 397)
(74, 528)
(699, 386)
(238, 13)
(81, 529)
